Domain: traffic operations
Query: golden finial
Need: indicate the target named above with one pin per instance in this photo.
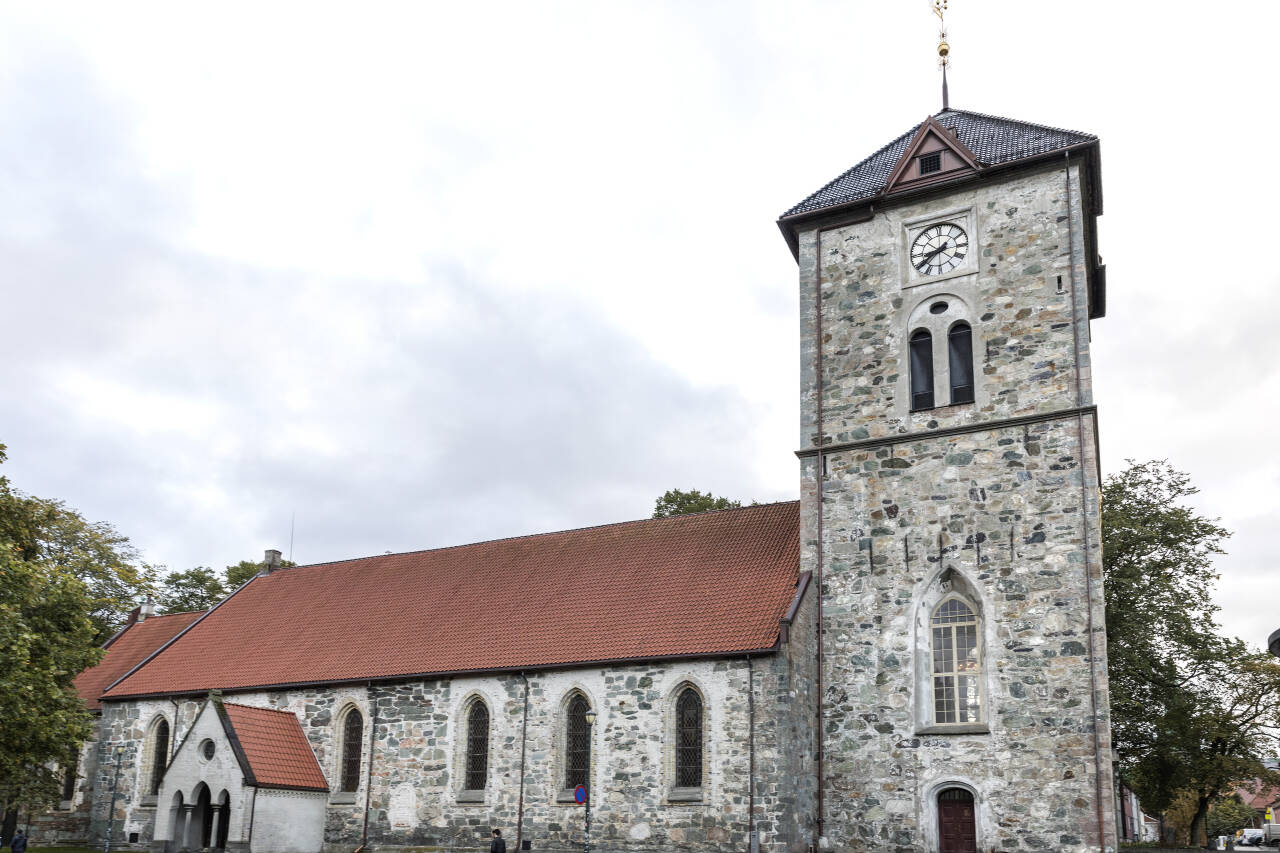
(944, 49)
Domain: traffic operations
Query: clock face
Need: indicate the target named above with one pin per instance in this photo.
(939, 248)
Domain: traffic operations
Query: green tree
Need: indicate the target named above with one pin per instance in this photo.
(678, 502)
(1190, 708)
(1228, 816)
(195, 589)
(48, 634)
(95, 552)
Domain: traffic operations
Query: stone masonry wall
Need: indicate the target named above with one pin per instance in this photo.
(415, 775)
(1012, 511)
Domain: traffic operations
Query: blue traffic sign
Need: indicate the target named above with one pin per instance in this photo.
(580, 794)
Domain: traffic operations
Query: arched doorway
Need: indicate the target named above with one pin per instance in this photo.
(222, 818)
(176, 824)
(201, 817)
(957, 827)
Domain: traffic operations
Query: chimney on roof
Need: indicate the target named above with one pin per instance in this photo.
(147, 610)
(270, 561)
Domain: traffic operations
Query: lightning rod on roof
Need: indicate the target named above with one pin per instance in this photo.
(944, 49)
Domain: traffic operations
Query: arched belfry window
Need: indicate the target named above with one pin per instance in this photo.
(349, 757)
(960, 363)
(688, 739)
(957, 663)
(477, 746)
(577, 742)
(921, 370)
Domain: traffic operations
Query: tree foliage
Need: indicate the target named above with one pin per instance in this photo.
(1228, 816)
(201, 588)
(1192, 710)
(48, 633)
(49, 532)
(679, 502)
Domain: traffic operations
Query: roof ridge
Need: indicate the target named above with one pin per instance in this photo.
(838, 178)
(534, 535)
(1017, 121)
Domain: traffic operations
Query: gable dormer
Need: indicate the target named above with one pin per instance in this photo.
(934, 154)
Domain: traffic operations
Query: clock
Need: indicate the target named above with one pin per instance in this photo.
(939, 248)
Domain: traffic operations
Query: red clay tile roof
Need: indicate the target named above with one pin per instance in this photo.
(126, 650)
(692, 586)
(1257, 797)
(278, 753)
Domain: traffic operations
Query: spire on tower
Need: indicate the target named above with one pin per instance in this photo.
(944, 49)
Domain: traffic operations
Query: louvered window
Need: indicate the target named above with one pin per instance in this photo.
(159, 755)
(352, 737)
(960, 351)
(931, 163)
(957, 664)
(577, 743)
(921, 370)
(477, 746)
(689, 739)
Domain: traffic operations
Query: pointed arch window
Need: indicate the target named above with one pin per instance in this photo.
(156, 755)
(477, 746)
(69, 780)
(577, 742)
(689, 739)
(957, 663)
(349, 763)
(921, 370)
(960, 362)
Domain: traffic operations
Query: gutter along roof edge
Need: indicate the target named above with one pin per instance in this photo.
(391, 679)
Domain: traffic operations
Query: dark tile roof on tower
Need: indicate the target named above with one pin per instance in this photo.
(127, 649)
(994, 140)
(692, 586)
(275, 748)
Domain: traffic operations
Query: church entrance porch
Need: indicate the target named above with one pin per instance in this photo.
(957, 832)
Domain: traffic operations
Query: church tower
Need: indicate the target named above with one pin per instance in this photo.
(950, 490)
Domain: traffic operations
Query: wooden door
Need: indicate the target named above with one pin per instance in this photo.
(957, 832)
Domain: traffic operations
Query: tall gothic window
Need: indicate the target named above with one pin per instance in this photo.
(352, 737)
(156, 755)
(921, 370)
(577, 742)
(957, 667)
(477, 746)
(689, 739)
(960, 351)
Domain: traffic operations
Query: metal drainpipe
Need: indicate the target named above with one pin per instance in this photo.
(819, 574)
(1084, 507)
(253, 812)
(173, 741)
(752, 842)
(524, 729)
(368, 779)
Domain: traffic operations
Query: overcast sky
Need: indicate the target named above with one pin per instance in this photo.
(425, 274)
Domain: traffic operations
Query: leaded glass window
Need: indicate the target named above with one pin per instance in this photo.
(477, 746)
(957, 665)
(577, 743)
(352, 736)
(159, 755)
(960, 352)
(921, 370)
(689, 739)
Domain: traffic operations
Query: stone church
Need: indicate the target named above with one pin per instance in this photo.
(909, 658)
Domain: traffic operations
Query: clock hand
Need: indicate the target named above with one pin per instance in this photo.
(931, 255)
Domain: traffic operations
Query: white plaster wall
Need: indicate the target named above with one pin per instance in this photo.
(288, 822)
(221, 773)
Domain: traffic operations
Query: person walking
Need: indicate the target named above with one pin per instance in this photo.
(19, 843)
(497, 845)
